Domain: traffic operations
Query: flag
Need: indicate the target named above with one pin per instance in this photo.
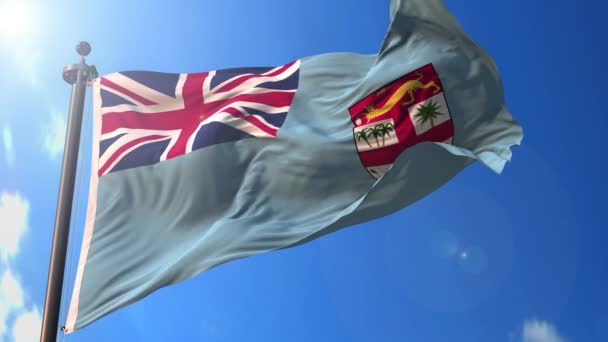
(190, 171)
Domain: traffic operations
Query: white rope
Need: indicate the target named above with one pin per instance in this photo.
(67, 280)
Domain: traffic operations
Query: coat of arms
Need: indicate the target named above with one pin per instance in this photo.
(401, 114)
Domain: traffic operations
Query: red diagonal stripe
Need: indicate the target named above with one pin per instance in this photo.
(239, 80)
(252, 120)
(123, 149)
(107, 83)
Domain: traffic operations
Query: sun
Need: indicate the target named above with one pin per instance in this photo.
(15, 20)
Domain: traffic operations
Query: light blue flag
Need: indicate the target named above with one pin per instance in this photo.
(194, 170)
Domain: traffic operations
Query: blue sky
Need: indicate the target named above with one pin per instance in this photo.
(516, 257)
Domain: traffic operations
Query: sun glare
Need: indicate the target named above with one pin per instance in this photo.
(15, 20)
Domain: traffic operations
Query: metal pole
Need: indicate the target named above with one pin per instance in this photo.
(78, 76)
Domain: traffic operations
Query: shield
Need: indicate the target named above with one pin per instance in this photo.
(409, 110)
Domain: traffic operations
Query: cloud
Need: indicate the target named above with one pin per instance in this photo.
(27, 326)
(14, 211)
(9, 149)
(540, 331)
(54, 134)
(11, 298)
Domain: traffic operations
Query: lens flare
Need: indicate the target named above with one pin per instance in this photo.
(15, 20)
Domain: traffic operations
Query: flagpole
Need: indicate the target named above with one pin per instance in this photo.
(78, 75)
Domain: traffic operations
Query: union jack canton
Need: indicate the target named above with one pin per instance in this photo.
(148, 117)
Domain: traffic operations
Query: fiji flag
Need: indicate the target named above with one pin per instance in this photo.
(193, 170)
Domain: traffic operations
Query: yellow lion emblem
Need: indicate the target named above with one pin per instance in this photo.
(407, 89)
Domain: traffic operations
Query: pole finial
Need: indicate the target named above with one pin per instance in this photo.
(73, 73)
(83, 48)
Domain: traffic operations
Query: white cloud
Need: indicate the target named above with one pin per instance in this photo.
(27, 326)
(9, 149)
(11, 298)
(540, 331)
(54, 134)
(14, 211)
(11, 289)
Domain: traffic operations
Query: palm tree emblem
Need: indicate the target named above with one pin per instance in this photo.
(428, 112)
(380, 130)
(383, 129)
(373, 132)
(362, 135)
